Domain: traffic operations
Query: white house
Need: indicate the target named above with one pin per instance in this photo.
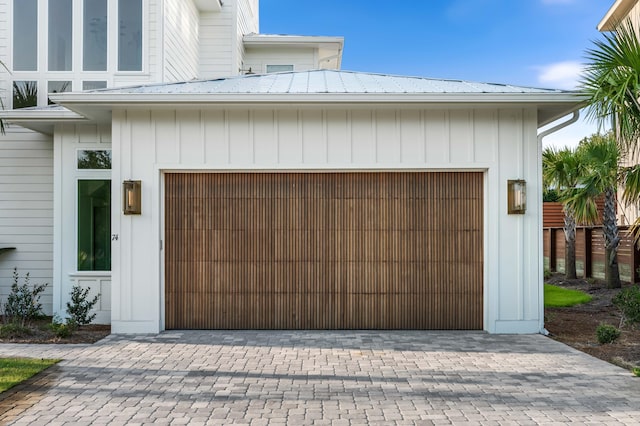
(306, 198)
(72, 45)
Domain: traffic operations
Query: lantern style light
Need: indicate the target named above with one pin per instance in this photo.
(517, 196)
(132, 197)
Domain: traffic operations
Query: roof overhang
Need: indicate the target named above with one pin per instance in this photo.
(329, 48)
(259, 40)
(616, 14)
(41, 120)
(98, 106)
(209, 5)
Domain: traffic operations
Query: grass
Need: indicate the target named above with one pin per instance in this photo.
(558, 297)
(17, 370)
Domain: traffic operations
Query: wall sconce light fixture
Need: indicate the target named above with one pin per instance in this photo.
(132, 197)
(516, 196)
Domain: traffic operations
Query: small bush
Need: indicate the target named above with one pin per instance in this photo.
(628, 301)
(23, 303)
(60, 328)
(79, 307)
(547, 273)
(14, 329)
(607, 333)
(636, 371)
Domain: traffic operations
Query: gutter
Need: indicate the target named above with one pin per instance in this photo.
(70, 98)
(557, 127)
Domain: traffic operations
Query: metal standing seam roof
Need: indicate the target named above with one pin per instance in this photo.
(325, 81)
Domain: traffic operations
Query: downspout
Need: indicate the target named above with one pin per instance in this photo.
(573, 119)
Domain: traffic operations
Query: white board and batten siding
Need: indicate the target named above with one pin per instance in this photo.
(69, 139)
(500, 142)
(26, 210)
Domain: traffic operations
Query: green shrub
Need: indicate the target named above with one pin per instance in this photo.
(636, 371)
(628, 301)
(23, 303)
(60, 328)
(547, 273)
(14, 329)
(607, 333)
(79, 307)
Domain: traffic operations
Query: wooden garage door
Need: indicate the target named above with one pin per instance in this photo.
(324, 251)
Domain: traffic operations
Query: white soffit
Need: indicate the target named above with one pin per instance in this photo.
(618, 12)
(209, 5)
(266, 40)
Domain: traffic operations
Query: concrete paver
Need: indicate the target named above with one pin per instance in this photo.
(321, 378)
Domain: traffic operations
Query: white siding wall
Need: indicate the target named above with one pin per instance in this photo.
(246, 22)
(68, 140)
(501, 142)
(181, 45)
(301, 59)
(5, 40)
(26, 210)
(216, 47)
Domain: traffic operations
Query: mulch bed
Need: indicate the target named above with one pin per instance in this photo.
(576, 326)
(40, 333)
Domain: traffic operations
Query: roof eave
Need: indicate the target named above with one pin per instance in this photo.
(616, 13)
(68, 99)
(275, 40)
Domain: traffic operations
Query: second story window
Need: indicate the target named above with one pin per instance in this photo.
(25, 35)
(130, 35)
(94, 52)
(60, 35)
(58, 87)
(25, 94)
(279, 68)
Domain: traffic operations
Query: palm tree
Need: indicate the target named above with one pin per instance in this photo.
(561, 170)
(611, 81)
(599, 154)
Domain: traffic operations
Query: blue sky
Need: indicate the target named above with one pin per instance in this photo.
(539, 43)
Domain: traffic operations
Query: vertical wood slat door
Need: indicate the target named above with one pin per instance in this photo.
(324, 250)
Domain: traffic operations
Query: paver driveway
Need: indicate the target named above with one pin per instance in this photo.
(322, 378)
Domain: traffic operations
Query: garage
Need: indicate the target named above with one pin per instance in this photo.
(366, 250)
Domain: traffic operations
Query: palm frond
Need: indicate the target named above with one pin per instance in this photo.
(611, 80)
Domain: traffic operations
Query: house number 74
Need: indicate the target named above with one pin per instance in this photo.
(114, 237)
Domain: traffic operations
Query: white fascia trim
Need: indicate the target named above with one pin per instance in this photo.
(615, 14)
(116, 99)
(286, 40)
(16, 115)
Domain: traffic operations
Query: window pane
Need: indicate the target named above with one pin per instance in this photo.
(130, 35)
(60, 26)
(95, 35)
(93, 85)
(58, 87)
(94, 159)
(25, 94)
(25, 35)
(279, 68)
(94, 225)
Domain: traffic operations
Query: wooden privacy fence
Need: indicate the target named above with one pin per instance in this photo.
(590, 248)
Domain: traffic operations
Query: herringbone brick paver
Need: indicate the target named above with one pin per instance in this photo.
(321, 378)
